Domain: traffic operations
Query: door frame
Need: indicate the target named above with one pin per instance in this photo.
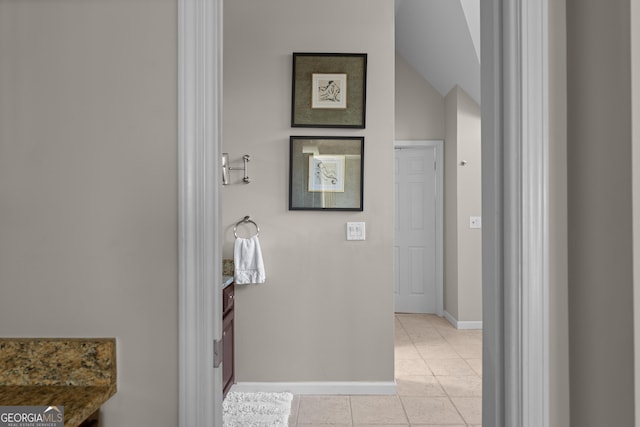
(200, 223)
(439, 147)
(515, 193)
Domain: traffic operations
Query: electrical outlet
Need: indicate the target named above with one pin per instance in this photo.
(475, 222)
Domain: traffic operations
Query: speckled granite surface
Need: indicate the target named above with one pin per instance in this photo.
(226, 281)
(77, 362)
(79, 401)
(227, 267)
(79, 374)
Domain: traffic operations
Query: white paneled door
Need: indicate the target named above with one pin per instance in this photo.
(418, 227)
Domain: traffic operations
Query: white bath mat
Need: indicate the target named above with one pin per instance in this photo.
(256, 409)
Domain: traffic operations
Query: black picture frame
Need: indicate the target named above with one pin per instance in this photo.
(326, 173)
(349, 69)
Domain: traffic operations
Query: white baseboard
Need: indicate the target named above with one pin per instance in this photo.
(462, 324)
(320, 387)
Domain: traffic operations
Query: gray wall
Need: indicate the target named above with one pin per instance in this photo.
(326, 311)
(423, 114)
(451, 205)
(88, 187)
(600, 213)
(559, 413)
(635, 108)
(419, 106)
(463, 198)
(88, 193)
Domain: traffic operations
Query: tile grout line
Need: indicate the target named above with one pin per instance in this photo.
(299, 400)
(464, 420)
(394, 374)
(456, 351)
(447, 394)
(405, 330)
(406, 414)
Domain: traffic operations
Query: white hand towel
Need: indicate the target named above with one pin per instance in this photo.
(249, 266)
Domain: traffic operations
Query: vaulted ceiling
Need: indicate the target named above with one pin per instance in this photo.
(441, 40)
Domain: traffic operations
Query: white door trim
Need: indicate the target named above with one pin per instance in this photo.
(515, 230)
(515, 244)
(199, 170)
(439, 147)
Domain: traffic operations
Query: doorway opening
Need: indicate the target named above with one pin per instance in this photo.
(437, 95)
(516, 393)
(438, 235)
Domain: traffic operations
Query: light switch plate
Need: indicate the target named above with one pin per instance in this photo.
(475, 222)
(355, 231)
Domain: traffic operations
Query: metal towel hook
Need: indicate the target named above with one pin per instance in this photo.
(226, 167)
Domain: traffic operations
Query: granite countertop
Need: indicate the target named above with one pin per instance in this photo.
(226, 281)
(79, 401)
(79, 374)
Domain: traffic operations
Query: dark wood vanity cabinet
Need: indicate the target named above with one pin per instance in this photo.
(92, 421)
(228, 376)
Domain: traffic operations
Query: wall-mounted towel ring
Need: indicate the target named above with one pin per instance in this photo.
(244, 220)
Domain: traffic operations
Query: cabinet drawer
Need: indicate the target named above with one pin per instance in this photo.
(227, 298)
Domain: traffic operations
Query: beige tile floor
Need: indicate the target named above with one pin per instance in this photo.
(439, 377)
